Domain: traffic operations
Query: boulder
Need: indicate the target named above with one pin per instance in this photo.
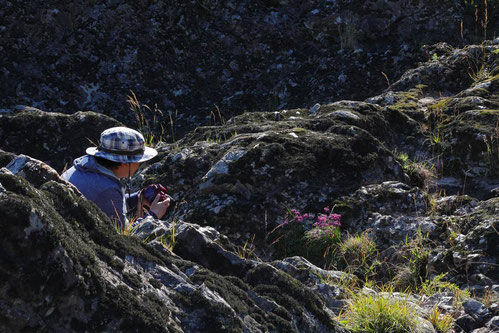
(53, 138)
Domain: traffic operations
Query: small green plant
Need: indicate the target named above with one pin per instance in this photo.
(150, 121)
(404, 158)
(209, 139)
(247, 250)
(127, 227)
(453, 231)
(173, 121)
(346, 281)
(414, 271)
(214, 114)
(442, 323)
(488, 298)
(219, 138)
(436, 113)
(168, 240)
(380, 313)
(436, 139)
(478, 74)
(438, 285)
(421, 174)
(128, 230)
(325, 234)
(432, 207)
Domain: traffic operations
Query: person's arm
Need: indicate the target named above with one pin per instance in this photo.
(132, 200)
(111, 202)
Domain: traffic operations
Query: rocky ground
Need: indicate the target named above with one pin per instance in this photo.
(192, 57)
(413, 173)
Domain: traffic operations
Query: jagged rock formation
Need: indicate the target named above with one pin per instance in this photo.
(64, 268)
(258, 56)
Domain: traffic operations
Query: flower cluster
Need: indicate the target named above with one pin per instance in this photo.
(313, 236)
(295, 216)
(326, 226)
(328, 219)
(324, 223)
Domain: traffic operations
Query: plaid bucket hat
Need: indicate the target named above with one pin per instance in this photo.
(122, 144)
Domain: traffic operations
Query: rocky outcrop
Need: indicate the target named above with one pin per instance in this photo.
(64, 268)
(245, 174)
(55, 138)
(257, 165)
(80, 55)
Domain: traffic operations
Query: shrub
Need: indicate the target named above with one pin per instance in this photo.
(437, 285)
(381, 313)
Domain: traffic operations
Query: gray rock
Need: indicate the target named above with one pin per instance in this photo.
(425, 326)
(466, 323)
(481, 330)
(475, 309)
(345, 115)
(313, 110)
(493, 324)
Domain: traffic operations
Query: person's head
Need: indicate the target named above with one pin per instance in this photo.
(121, 150)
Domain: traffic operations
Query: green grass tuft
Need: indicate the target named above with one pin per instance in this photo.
(376, 314)
(442, 323)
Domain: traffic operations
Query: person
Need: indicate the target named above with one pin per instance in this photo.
(97, 174)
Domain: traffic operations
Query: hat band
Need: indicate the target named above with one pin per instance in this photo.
(139, 151)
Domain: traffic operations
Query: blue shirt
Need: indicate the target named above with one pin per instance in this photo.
(101, 186)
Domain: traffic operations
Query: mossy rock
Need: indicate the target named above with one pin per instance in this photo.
(472, 140)
(64, 262)
(54, 138)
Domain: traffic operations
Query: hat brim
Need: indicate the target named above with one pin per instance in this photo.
(148, 154)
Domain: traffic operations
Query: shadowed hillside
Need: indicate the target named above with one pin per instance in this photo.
(191, 57)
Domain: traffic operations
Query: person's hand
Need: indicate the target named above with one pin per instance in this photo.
(159, 207)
